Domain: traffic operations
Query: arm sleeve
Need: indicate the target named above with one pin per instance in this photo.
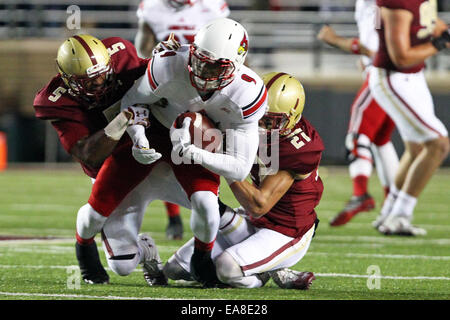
(236, 162)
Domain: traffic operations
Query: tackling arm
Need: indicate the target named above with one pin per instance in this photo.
(94, 149)
(350, 45)
(259, 201)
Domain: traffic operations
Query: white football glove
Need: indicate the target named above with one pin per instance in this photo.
(181, 139)
(140, 115)
(143, 154)
(169, 44)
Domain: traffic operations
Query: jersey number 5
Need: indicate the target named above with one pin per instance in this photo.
(428, 17)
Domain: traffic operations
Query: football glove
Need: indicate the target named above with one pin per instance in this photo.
(169, 44)
(441, 42)
(140, 115)
(143, 154)
(181, 139)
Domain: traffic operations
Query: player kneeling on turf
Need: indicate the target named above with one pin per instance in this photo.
(273, 229)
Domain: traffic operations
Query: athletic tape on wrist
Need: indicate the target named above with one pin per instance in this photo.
(116, 128)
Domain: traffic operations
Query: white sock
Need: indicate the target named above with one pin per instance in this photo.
(386, 162)
(404, 205)
(390, 200)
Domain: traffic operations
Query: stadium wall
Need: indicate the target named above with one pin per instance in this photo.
(27, 65)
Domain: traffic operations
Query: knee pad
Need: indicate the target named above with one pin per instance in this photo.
(89, 222)
(227, 268)
(123, 267)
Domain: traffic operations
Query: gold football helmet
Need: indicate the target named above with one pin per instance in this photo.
(85, 67)
(286, 100)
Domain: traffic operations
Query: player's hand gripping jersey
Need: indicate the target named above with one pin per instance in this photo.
(164, 19)
(75, 118)
(237, 106)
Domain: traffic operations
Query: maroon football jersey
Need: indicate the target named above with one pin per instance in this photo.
(294, 214)
(74, 118)
(422, 26)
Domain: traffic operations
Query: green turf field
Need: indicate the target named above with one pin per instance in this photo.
(40, 202)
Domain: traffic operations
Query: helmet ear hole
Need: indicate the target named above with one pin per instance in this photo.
(286, 96)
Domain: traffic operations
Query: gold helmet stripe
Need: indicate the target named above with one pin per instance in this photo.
(275, 78)
(87, 48)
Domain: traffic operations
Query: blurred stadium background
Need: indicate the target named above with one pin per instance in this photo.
(282, 38)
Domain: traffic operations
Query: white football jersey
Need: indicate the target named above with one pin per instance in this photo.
(365, 16)
(184, 23)
(238, 107)
(167, 76)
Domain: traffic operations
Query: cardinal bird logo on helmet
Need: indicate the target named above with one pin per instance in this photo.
(243, 48)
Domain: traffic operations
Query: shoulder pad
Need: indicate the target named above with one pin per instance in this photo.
(165, 65)
(249, 93)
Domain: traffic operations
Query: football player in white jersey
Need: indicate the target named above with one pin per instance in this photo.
(368, 139)
(182, 18)
(207, 76)
(159, 18)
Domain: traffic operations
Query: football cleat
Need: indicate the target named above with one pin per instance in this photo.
(401, 226)
(152, 264)
(292, 279)
(355, 205)
(91, 268)
(174, 230)
(203, 269)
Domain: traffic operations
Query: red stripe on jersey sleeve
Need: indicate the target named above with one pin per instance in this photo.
(253, 109)
(150, 75)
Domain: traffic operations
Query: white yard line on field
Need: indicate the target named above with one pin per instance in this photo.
(360, 225)
(79, 296)
(345, 275)
(41, 206)
(381, 256)
(386, 240)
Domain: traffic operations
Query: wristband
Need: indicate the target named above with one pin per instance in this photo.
(116, 128)
(355, 46)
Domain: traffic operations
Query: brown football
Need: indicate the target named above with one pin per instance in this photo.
(204, 134)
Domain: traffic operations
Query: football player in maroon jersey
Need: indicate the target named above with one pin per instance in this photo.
(83, 104)
(368, 139)
(410, 32)
(273, 229)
